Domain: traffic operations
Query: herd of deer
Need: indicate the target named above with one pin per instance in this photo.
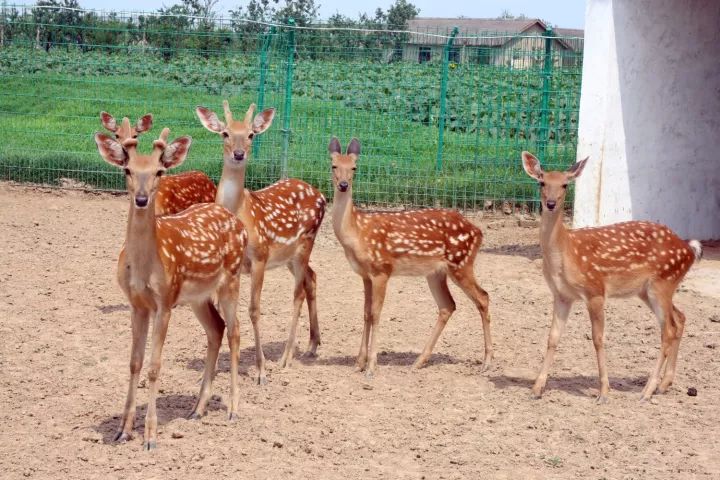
(187, 242)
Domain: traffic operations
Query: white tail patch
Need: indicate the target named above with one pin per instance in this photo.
(697, 249)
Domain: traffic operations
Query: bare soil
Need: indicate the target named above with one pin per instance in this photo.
(65, 342)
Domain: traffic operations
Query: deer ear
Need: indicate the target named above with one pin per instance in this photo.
(108, 121)
(111, 151)
(176, 152)
(532, 165)
(354, 147)
(334, 147)
(263, 120)
(144, 123)
(576, 169)
(209, 119)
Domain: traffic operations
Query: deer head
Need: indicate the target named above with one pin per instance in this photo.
(237, 134)
(553, 185)
(125, 131)
(143, 172)
(344, 165)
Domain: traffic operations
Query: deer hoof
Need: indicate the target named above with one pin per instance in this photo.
(233, 417)
(601, 400)
(150, 445)
(121, 437)
(194, 416)
(262, 380)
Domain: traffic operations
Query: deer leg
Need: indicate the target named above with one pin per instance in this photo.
(298, 269)
(310, 285)
(595, 307)
(561, 310)
(257, 276)
(465, 279)
(214, 327)
(663, 308)
(379, 287)
(679, 324)
(162, 319)
(446, 306)
(139, 319)
(228, 296)
(367, 321)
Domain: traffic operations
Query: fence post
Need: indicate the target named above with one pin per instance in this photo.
(288, 97)
(443, 95)
(545, 102)
(267, 37)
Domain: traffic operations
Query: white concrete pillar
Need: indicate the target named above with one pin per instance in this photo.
(650, 115)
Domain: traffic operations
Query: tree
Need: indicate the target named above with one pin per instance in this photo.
(400, 13)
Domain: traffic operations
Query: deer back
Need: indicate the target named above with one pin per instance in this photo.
(619, 259)
(281, 214)
(177, 192)
(418, 242)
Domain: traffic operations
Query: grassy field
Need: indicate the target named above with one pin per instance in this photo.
(50, 102)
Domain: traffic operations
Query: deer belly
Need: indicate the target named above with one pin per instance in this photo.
(198, 290)
(418, 266)
(280, 255)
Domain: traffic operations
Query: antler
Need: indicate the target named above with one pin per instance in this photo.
(228, 113)
(249, 114)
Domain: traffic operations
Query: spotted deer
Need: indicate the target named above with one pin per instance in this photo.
(282, 221)
(175, 192)
(434, 243)
(172, 260)
(620, 260)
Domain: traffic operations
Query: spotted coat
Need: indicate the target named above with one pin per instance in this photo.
(177, 192)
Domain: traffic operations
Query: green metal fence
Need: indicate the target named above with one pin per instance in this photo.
(441, 116)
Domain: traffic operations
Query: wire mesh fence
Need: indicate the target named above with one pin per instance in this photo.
(442, 116)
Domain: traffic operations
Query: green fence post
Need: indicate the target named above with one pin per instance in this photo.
(267, 37)
(545, 102)
(288, 97)
(443, 95)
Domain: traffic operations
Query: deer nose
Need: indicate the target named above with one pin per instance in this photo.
(141, 201)
(343, 186)
(239, 155)
(550, 205)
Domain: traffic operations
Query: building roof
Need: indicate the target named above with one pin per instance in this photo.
(490, 31)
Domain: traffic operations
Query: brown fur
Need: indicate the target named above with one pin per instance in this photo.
(282, 221)
(432, 243)
(177, 259)
(591, 264)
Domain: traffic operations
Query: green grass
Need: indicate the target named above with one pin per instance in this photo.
(49, 108)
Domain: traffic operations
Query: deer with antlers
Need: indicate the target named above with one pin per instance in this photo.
(620, 260)
(282, 221)
(167, 261)
(434, 243)
(176, 192)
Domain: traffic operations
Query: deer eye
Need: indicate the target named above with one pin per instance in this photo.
(135, 136)
(160, 173)
(251, 136)
(117, 136)
(225, 134)
(127, 171)
(565, 185)
(542, 184)
(334, 167)
(354, 168)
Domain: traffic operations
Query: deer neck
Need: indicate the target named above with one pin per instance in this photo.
(141, 244)
(553, 235)
(231, 189)
(343, 216)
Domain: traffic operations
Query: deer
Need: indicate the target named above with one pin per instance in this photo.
(175, 192)
(619, 260)
(434, 243)
(186, 258)
(281, 219)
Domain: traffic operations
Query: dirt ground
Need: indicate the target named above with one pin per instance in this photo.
(64, 354)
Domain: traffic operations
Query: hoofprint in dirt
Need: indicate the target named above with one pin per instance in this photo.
(65, 348)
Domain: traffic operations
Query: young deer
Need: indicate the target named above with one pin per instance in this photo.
(620, 260)
(282, 221)
(175, 192)
(431, 243)
(173, 260)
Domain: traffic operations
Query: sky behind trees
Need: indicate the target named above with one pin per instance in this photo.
(562, 13)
